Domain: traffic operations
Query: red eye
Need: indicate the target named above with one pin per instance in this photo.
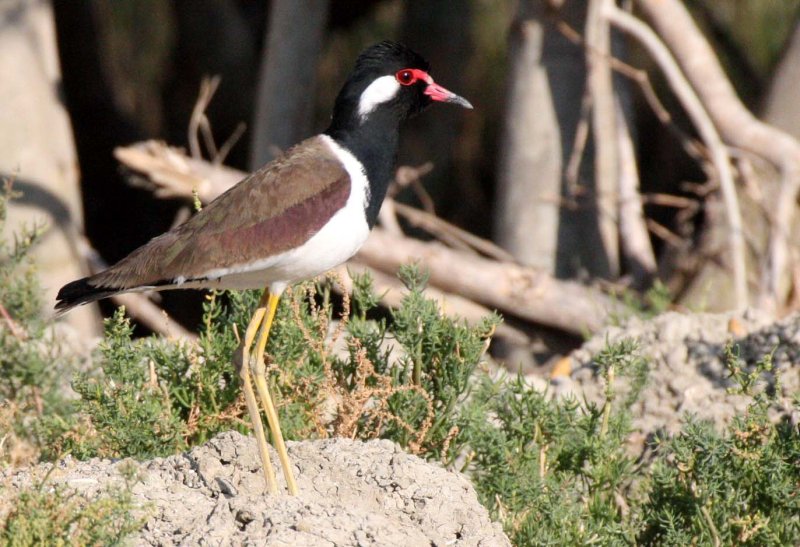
(405, 77)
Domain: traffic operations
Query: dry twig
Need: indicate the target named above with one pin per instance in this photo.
(635, 239)
(16, 331)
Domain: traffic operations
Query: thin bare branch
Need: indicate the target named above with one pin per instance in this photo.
(16, 331)
(207, 89)
(635, 239)
(664, 233)
(449, 232)
(668, 200)
(229, 143)
(572, 171)
(604, 126)
(642, 80)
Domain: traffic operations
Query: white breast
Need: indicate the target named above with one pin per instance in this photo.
(335, 243)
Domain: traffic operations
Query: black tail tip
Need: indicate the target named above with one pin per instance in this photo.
(77, 293)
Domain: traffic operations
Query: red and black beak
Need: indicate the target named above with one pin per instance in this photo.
(438, 93)
(411, 76)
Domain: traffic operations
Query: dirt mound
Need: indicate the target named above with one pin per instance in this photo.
(686, 361)
(351, 493)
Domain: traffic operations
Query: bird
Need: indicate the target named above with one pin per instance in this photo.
(305, 212)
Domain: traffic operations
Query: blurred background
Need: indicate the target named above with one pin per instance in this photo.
(528, 169)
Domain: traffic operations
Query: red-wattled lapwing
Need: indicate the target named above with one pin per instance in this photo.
(297, 217)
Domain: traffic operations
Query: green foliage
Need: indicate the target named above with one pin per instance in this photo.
(735, 487)
(400, 378)
(439, 356)
(19, 290)
(554, 470)
(52, 514)
(154, 397)
(32, 403)
(655, 301)
(130, 409)
(31, 359)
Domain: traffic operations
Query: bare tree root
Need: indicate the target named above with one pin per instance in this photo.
(699, 114)
(739, 128)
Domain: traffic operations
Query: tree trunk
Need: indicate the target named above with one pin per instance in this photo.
(285, 98)
(604, 132)
(780, 106)
(531, 153)
(37, 149)
(543, 218)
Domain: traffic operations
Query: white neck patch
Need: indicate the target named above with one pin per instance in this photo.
(378, 92)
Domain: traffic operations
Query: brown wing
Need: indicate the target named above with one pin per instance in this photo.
(275, 209)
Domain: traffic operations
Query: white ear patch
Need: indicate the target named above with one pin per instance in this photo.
(381, 90)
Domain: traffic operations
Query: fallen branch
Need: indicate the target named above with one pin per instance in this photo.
(173, 174)
(510, 288)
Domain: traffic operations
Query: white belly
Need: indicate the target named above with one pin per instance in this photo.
(334, 244)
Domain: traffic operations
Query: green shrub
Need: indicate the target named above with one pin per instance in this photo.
(741, 486)
(32, 361)
(33, 405)
(156, 397)
(52, 514)
(554, 471)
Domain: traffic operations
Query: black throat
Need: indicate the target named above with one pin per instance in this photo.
(374, 143)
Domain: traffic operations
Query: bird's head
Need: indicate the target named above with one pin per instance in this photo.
(391, 80)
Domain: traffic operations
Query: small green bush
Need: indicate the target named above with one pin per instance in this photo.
(52, 514)
(32, 361)
(738, 487)
(155, 397)
(554, 471)
(34, 404)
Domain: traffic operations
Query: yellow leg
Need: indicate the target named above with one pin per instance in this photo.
(259, 375)
(241, 360)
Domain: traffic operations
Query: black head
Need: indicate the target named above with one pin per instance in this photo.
(389, 83)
